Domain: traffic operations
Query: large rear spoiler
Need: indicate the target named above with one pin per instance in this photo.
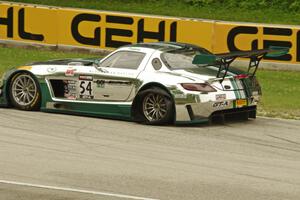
(224, 60)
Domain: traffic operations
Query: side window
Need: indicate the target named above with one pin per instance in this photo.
(124, 60)
(111, 60)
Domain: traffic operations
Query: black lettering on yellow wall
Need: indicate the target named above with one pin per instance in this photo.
(280, 32)
(8, 22)
(277, 31)
(142, 34)
(94, 41)
(119, 19)
(298, 46)
(241, 30)
(110, 32)
(173, 32)
(22, 33)
(268, 43)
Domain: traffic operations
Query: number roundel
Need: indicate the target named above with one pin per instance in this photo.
(86, 89)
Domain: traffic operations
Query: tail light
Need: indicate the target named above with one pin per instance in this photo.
(201, 87)
(241, 76)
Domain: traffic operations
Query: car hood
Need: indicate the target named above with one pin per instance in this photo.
(72, 61)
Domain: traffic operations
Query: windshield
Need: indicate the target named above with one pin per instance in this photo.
(182, 59)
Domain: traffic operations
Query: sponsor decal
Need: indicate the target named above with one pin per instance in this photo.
(85, 77)
(25, 67)
(70, 72)
(100, 83)
(220, 97)
(69, 89)
(119, 82)
(220, 104)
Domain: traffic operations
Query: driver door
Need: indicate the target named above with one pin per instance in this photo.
(116, 76)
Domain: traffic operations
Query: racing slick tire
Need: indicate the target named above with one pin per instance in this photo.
(24, 92)
(157, 106)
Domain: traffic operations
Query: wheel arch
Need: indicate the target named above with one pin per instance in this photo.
(9, 79)
(134, 108)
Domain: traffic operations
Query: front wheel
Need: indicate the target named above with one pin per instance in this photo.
(157, 107)
(24, 92)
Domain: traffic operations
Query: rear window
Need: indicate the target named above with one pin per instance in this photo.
(182, 59)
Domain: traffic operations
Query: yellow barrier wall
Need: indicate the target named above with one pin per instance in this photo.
(246, 36)
(108, 30)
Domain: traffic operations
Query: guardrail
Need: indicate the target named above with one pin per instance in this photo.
(59, 27)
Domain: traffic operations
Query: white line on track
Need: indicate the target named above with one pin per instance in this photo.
(75, 190)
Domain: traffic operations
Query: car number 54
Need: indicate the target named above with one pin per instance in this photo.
(86, 90)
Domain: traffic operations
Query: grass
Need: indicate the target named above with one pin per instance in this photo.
(180, 8)
(281, 91)
(11, 57)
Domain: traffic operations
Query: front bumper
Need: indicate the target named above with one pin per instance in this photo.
(205, 111)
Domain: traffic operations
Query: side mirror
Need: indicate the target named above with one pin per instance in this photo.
(204, 59)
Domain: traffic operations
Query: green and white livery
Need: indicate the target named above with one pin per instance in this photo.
(153, 83)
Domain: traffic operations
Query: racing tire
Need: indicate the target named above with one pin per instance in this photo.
(24, 92)
(156, 106)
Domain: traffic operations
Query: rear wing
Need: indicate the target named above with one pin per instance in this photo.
(224, 60)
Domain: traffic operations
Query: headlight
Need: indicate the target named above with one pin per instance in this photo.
(201, 87)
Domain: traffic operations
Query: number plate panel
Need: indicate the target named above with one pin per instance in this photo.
(85, 89)
(241, 103)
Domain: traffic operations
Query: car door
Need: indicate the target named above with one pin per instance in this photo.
(116, 76)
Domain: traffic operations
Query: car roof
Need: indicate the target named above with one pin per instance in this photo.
(165, 46)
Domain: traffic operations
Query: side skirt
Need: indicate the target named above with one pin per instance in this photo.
(112, 111)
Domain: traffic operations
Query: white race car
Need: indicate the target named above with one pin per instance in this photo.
(154, 83)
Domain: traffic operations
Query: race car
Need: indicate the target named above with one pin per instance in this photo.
(153, 83)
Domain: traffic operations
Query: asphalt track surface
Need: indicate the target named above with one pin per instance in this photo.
(62, 157)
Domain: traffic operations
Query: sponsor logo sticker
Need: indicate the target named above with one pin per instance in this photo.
(220, 104)
(100, 83)
(220, 97)
(25, 67)
(69, 89)
(85, 77)
(70, 72)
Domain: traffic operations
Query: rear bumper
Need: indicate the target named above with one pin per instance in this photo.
(249, 111)
(206, 111)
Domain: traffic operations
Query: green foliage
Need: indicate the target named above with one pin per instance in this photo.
(291, 5)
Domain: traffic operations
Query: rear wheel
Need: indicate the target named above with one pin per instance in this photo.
(157, 106)
(24, 92)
